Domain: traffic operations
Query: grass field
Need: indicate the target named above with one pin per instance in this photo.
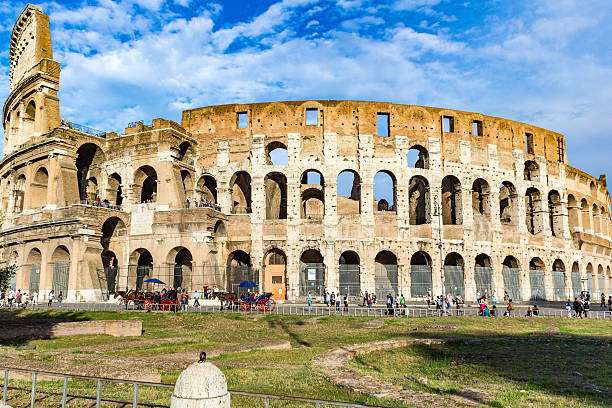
(510, 367)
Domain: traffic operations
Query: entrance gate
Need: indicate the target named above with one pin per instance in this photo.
(420, 280)
(536, 280)
(275, 276)
(558, 286)
(385, 281)
(349, 283)
(453, 280)
(512, 283)
(34, 278)
(312, 279)
(483, 278)
(61, 272)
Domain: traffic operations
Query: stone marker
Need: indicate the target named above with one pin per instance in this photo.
(201, 385)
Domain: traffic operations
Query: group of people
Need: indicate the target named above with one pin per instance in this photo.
(333, 301)
(12, 298)
(202, 202)
(98, 202)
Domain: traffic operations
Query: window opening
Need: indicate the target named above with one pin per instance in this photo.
(383, 124)
(312, 116)
(243, 120)
(477, 124)
(449, 124)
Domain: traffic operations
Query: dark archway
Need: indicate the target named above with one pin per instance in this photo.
(312, 273)
(385, 275)
(419, 201)
(420, 274)
(454, 275)
(275, 185)
(348, 193)
(240, 185)
(88, 162)
(312, 195)
(452, 211)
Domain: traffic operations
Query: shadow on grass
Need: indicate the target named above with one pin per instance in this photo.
(19, 325)
(280, 323)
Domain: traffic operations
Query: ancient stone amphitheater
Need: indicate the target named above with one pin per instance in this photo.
(285, 194)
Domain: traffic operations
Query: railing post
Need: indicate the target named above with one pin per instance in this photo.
(135, 402)
(4, 391)
(266, 402)
(64, 392)
(33, 396)
(98, 394)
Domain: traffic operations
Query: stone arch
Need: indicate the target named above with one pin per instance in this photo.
(186, 153)
(511, 274)
(38, 189)
(112, 228)
(60, 264)
(28, 121)
(114, 192)
(452, 211)
(600, 281)
(385, 274)
(596, 219)
(141, 268)
(419, 200)
(277, 154)
(239, 269)
(33, 262)
(187, 182)
(555, 213)
(206, 188)
(483, 275)
(418, 157)
(480, 199)
(275, 185)
(590, 277)
(275, 273)
(454, 277)
(145, 184)
(536, 279)
(508, 204)
(312, 195)
(240, 185)
(181, 260)
(533, 211)
(385, 187)
(586, 216)
(349, 199)
(576, 279)
(420, 274)
(573, 212)
(89, 162)
(220, 229)
(558, 280)
(349, 274)
(19, 194)
(312, 273)
(593, 189)
(531, 171)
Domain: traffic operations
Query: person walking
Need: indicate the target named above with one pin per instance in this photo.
(603, 300)
(346, 303)
(509, 308)
(403, 302)
(365, 299)
(586, 307)
(568, 307)
(51, 296)
(18, 297)
(196, 299)
(578, 307)
(11, 297)
(310, 301)
(60, 298)
(332, 300)
(370, 302)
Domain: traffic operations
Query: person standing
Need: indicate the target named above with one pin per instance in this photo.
(603, 300)
(346, 303)
(365, 299)
(332, 300)
(402, 301)
(568, 307)
(60, 298)
(578, 307)
(11, 297)
(51, 296)
(310, 301)
(509, 308)
(196, 299)
(18, 297)
(586, 307)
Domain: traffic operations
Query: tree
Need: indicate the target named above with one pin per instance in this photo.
(6, 274)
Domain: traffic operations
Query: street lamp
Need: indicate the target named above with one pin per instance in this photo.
(439, 244)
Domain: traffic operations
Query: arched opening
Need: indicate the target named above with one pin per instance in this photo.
(110, 266)
(385, 275)
(182, 268)
(145, 184)
(275, 185)
(595, 217)
(576, 280)
(112, 228)
(555, 215)
(19, 194)
(13, 261)
(586, 216)
(89, 161)
(483, 275)
(593, 188)
(349, 193)
(241, 193)
(239, 270)
(419, 201)
(29, 120)
(349, 274)
(600, 280)
(573, 211)
(558, 280)
(531, 171)
(38, 189)
(33, 263)
(590, 277)
(275, 274)
(277, 154)
(60, 261)
(453, 274)
(114, 189)
(533, 211)
(312, 273)
(451, 201)
(536, 279)
(312, 195)
(511, 274)
(385, 191)
(187, 182)
(508, 204)
(141, 268)
(480, 200)
(420, 274)
(186, 153)
(206, 190)
(418, 157)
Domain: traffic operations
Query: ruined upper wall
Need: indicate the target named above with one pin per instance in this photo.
(349, 119)
(30, 43)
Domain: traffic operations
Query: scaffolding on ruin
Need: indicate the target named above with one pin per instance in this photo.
(512, 283)
(576, 284)
(483, 277)
(420, 280)
(536, 282)
(558, 288)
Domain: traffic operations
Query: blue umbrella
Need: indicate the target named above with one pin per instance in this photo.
(154, 280)
(247, 284)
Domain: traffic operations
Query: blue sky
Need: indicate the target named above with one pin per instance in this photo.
(548, 63)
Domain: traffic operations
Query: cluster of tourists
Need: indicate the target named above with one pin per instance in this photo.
(202, 202)
(581, 306)
(19, 299)
(98, 202)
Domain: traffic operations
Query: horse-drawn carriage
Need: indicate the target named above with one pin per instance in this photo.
(150, 300)
(252, 301)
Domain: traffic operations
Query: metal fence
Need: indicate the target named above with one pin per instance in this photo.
(61, 272)
(312, 279)
(453, 280)
(349, 281)
(558, 288)
(260, 399)
(34, 278)
(590, 283)
(385, 280)
(536, 282)
(512, 283)
(420, 280)
(600, 283)
(576, 284)
(483, 278)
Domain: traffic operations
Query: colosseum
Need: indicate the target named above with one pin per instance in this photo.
(299, 197)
